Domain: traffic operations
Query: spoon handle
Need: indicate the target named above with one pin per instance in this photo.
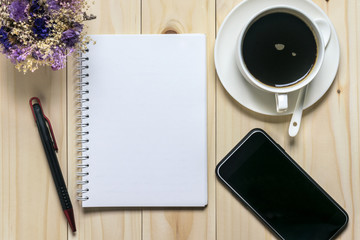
(296, 117)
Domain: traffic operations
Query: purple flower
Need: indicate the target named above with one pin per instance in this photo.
(19, 54)
(74, 5)
(4, 40)
(40, 28)
(54, 5)
(36, 54)
(78, 27)
(70, 2)
(71, 36)
(36, 8)
(17, 10)
(29, 50)
(59, 58)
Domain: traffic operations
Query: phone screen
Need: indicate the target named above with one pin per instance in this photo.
(267, 180)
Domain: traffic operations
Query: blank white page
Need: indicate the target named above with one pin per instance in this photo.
(147, 121)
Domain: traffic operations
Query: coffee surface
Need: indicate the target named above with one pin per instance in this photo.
(279, 49)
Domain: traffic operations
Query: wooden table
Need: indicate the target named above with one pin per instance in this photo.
(327, 145)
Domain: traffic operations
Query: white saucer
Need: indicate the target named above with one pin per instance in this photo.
(236, 85)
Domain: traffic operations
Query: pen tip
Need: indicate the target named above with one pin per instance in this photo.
(69, 213)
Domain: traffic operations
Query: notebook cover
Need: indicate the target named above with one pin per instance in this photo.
(147, 121)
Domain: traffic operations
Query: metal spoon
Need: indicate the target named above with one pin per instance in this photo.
(296, 117)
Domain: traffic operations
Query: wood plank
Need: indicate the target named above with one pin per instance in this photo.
(233, 122)
(30, 208)
(113, 17)
(344, 112)
(327, 144)
(185, 17)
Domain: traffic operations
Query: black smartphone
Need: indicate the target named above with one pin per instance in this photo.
(278, 191)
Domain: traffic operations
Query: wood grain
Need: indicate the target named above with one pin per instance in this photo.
(327, 145)
(187, 16)
(26, 202)
(113, 17)
(328, 142)
(233, 122)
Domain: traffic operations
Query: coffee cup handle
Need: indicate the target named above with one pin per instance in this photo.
(281, 102)
(324, 29)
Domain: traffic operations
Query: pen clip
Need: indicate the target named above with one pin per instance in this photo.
(46, 119)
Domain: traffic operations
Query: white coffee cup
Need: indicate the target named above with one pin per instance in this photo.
(321, 31)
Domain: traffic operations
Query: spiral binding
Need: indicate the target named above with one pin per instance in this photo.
(81, 125)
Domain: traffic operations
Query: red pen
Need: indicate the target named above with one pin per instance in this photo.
(49, 143)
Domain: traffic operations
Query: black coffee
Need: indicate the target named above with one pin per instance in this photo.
(279, 49)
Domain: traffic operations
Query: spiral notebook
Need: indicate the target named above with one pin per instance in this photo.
(144, 121)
